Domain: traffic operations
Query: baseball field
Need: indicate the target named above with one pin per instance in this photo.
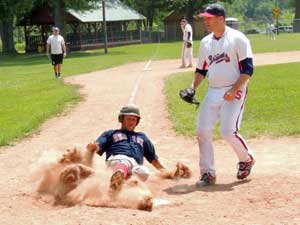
(77, 109)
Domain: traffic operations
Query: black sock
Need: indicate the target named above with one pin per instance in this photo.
(58, 74)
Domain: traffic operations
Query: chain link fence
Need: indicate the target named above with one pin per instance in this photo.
(167, 33)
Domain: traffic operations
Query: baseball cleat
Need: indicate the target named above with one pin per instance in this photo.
(206, 180)
(117, 180)
(244, 169)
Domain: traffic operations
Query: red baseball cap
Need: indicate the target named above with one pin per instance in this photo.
(213, 10)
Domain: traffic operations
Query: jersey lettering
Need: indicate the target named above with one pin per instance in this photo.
(238, 94)
(219, 58)
(138, 140)
(119, 137)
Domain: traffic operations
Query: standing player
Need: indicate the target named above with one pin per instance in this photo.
(187, 45)
(58, 50)
(272, 31)
(225, 56)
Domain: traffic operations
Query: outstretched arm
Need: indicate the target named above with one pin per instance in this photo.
(158, 165)
(91, 148)
(181, 170)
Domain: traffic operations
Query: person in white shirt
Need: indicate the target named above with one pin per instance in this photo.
(272, 32)
(187, 45)
(225, 58)
(58, 50)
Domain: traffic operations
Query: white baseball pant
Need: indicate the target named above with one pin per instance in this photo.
(186, 52)
(133, 167)
(214, 108)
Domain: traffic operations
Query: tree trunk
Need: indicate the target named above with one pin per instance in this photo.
(189, 11)
(151, 18)
(297, 17)
(59, 16)
(7, 36)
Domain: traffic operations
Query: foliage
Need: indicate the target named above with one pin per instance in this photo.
(189, 7)
(11, 8)
(150, 9)
(256, 9)
(71, 4)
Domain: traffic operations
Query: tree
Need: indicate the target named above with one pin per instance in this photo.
(297, 16)
(9, 9)
(60, 6)
(190, 7)
(149, 8)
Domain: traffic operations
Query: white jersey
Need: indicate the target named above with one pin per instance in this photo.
(56, 42)
(221, 57)
(188, 28)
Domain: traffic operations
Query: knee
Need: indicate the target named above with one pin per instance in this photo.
(143, 177)
(227, 134)
(141, 172)
(204, 135)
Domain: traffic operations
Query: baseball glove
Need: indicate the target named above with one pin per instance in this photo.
(187, 95)
(189, 44)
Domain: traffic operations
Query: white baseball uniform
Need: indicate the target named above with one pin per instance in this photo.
(221, 58)
(187, 52)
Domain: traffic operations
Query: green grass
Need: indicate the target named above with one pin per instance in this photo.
(272, 106)
(29, 94)
(284, 42)
(28, 100)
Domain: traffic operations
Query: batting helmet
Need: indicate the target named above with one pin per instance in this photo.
(131, 110)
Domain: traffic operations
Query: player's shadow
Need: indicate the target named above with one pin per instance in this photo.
(188, 188)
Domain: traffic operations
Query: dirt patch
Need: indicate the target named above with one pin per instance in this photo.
(270, 196)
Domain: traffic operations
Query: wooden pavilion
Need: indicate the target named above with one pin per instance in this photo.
(84, 29)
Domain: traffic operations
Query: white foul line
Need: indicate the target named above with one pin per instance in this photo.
(137, 83)
(146, 68)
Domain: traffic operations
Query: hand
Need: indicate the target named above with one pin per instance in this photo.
(92, 147)
(230, 95)
(65, 54)
(48, 55)
(182, 171)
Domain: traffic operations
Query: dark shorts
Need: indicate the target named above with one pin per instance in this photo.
(57, 59)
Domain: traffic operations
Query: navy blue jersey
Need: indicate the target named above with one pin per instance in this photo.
(130, 143)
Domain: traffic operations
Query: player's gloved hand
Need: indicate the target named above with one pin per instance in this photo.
(189, 44)
(182, 171)
(187, 95)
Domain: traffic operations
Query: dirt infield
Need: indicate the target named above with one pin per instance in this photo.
(270, 196)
